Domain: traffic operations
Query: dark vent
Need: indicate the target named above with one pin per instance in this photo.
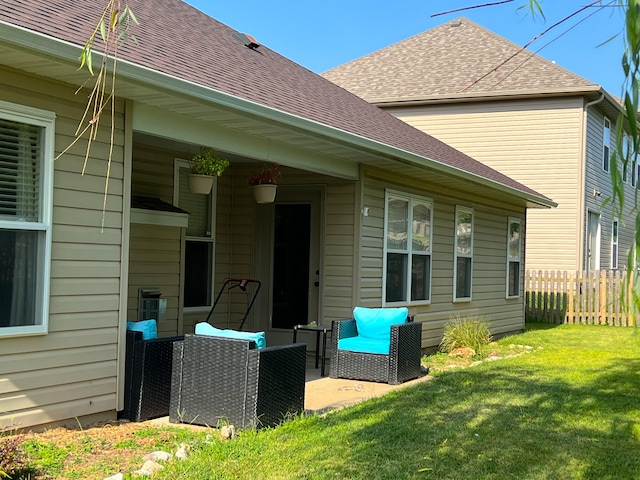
(246, 40)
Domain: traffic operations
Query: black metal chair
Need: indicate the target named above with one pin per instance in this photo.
(401, 364)
(147, 377)
(219, 381)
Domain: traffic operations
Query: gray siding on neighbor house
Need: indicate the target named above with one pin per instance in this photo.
(70, 371)
(537, 142)
(598, 180)
(489, 259)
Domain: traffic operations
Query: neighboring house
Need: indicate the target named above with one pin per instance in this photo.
(369, 211)
(520, 114)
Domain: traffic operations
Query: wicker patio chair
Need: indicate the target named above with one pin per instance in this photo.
(147, 377)
(228, 381)
(401, 364)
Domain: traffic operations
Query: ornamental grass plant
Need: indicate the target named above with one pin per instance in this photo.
(466, 332)
(567, 409)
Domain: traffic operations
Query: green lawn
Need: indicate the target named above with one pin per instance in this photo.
(570, 409)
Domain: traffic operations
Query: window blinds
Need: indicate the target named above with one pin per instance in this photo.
(20, 158)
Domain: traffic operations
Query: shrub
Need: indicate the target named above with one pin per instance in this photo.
(471, 332)
(12, 465)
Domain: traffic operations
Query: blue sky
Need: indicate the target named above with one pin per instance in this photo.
(322, 35)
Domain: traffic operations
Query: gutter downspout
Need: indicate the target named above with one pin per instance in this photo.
(582, 225)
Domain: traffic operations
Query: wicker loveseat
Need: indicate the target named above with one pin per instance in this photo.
(401, 362)
(147, 377)
(224, 380)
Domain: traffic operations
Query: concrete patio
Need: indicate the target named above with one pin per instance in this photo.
(323, 394)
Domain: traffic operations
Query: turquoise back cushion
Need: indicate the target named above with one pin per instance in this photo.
(375, 323)
(148, 328)
(203, 328)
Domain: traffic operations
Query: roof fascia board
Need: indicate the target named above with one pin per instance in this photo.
(69, 52)
(482, 97)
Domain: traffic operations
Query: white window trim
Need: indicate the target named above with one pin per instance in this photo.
(625, 158)
(182, 163)
(511, 259)
(460, 208)
(605, 147)
(45, 119)
(615, 258)
(411, 199)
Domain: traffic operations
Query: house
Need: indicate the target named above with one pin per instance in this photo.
(520, 114)
(361, 195)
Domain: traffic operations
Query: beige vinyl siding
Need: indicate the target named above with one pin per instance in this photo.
(71, 371)
(338, 270)
(154, 262)
(489, 258)
(538, 143)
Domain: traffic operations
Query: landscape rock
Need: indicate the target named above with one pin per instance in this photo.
(158, 456)
(149, 468)
(228, 432)
(182, 453)
(117, 476)
(462, 352)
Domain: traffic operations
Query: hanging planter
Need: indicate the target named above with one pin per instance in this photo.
(264, 193)
(200, 184)
(264, 184)
(204, 166)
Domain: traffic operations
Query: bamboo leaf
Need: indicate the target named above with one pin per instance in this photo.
(103, 31)
(132, 16)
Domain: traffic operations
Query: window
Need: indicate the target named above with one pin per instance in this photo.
(614, 243)
(463, 254)
(606, 142)
(408, 243)
(198, 257)
(26, 169)
(514, 257)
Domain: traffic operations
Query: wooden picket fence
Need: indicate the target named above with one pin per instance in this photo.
(592, 298)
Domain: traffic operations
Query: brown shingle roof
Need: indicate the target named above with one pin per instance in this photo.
(179, 40)
(457, 57)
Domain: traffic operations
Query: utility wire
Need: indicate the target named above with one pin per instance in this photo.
(533, 40)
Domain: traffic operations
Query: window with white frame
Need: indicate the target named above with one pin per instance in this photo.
(199, 251)
(408, 243)
(614, 243)
(463, 261)
(26, 185)
(606, 144)
(514, 257)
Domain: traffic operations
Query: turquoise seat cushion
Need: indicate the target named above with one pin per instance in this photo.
(148, 328)
(375, 323)
(364, 345)
(203, 328)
